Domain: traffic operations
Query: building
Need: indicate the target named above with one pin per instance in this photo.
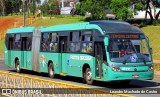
(67, 5)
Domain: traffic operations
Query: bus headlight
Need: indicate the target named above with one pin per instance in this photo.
(150, 68)
(115, 69)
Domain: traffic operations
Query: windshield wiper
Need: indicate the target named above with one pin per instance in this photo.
(124, 62)
(144, 61)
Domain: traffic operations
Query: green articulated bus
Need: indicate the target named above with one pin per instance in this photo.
(97, 50)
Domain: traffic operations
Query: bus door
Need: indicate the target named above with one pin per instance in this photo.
(24, 52)
(10, 47)
(63, 49)
(98, 59)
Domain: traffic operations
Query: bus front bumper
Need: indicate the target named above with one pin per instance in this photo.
(148, 75)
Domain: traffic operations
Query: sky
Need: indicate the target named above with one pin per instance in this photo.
(42, 1)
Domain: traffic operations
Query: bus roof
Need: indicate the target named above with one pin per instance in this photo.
(20, 30)
(111, 26)
(74, 26)
(104, 26)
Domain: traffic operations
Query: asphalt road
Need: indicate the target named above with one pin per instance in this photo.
(141, 84)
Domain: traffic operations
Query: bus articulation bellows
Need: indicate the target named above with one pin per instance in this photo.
(97, 50)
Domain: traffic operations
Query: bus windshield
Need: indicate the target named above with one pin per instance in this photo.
(129, 50)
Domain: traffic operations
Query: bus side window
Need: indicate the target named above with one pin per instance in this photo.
(10, 42)
(29, 42)
(104, 53)
(74, 41)
(45, 42)
(7, 42)
(17, 42)
(87, 45)
(53, 42)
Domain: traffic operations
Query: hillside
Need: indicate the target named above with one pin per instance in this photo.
(9, 22)
(6, 22)
(153, 33)
(46, 21)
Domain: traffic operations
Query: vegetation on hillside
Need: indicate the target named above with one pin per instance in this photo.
(157, 67)
(122, 9)
(13, 6)
(1, 46)
(58, 20)
(153, 34)
(9, 22)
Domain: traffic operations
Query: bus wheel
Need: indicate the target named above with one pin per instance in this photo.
(88, 76)
(51, 70)
(18, 66)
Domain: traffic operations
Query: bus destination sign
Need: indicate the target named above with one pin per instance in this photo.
(124, 36)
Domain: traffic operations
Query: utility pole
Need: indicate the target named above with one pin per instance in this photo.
(24, 12)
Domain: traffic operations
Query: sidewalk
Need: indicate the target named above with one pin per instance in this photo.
(1, 57)
(156, 74)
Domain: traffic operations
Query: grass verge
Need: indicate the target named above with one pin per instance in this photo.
(46, 21)
(157, 67)
(2, 46)
(152, 32)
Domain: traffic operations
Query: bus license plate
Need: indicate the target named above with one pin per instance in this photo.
(135, 76)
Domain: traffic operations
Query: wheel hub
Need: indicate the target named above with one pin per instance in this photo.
(51, 72)
(89, 75)
(17, 67)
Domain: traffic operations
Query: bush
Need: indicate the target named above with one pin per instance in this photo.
(155, 23)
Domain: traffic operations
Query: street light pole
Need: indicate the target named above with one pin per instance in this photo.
(24, 12)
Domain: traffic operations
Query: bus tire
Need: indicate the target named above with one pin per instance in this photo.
(18, 66)
(51, 70)
(127, 82)
(88, 76)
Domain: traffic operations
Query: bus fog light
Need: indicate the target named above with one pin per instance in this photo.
(150, 68)
(115, 69)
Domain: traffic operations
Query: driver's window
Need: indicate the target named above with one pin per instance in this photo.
(114, 49)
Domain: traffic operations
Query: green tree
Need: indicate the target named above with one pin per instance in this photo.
(31, 6)
(148, 7)
(34, 2)
(121, 8)
(45, 8)
(16, 5)
(9, 8)
(95, 7)
(53, 4)
(2, 7)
